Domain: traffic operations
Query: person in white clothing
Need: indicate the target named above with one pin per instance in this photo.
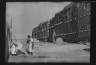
(30, 42)
(13, 50)
(20, 48)
(17, 47)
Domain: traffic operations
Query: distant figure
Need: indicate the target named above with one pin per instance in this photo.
(54, 37)
(31, 44)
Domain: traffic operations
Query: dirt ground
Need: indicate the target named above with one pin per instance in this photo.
(54, 53)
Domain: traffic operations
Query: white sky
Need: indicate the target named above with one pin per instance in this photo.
(25, 16)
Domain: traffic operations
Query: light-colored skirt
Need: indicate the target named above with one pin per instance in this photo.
(30, 47)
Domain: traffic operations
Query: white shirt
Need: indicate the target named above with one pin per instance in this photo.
(31, 39)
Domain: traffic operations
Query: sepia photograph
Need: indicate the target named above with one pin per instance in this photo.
(48, 32)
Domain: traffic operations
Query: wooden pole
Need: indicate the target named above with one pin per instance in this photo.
(11, 22)
(11, 28)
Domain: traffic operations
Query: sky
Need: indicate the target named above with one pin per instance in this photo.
(27, 15)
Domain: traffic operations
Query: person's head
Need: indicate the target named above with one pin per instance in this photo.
(29, 36)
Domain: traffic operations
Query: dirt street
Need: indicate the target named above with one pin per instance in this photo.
(55, 53)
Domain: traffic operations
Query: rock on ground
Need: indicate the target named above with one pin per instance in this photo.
(59, 41)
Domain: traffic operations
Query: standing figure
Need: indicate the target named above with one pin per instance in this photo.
(30, 42)
(54, 37)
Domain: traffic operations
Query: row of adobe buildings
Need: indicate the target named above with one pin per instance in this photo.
(72, 24)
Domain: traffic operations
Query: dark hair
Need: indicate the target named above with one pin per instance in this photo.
(28, 36)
